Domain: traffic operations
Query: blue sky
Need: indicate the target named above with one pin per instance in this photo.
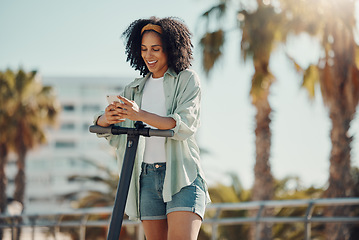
(82, 38)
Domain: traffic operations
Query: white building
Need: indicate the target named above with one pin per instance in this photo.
(48, 167)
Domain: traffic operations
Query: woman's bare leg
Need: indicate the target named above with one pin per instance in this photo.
(183, 225)
(155, 229)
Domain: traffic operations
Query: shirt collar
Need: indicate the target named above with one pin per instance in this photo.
(140, 82)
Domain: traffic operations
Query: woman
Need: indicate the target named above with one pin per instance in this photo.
(167, 190)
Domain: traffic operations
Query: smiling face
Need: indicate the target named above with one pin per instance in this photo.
(153, 54)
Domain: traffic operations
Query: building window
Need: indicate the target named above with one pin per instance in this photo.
(65, 144)
(67, 126)
(68, 107)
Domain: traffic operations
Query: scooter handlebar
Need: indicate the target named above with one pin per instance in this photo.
(148, 132)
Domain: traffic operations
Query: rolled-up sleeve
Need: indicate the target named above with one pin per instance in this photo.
(187, 110)
(114, 140)
(95, 118)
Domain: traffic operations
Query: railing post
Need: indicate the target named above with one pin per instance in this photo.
(83, 227)
(12, 228)
(308, 225)
(258, 223)
(57, 226)
(215, 225)
(33, 224)
(214, 231)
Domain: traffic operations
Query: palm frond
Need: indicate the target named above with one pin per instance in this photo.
(211, 44)
(217, 11)
(310, 79)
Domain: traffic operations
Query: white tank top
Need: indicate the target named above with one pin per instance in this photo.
(153, 101)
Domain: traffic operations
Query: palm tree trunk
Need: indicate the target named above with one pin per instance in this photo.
(263, 182)
(3, 181)
(341, 96)
(340, 179)
(20, 181)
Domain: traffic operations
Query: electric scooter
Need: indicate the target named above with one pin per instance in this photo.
(133, 135)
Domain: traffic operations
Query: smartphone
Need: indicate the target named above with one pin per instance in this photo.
(112, 98)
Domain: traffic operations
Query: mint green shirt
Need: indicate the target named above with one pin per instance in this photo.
(182, 101)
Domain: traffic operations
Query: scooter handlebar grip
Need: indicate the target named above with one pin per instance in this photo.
(160, 133)
(99, 129)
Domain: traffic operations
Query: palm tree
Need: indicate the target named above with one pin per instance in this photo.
(337, 73)
(261, 31)
(33, 108)
(6, 84)
(27, 108)
(332, 22)
(5, 93)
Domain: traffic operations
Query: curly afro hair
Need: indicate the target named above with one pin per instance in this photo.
(176, 40)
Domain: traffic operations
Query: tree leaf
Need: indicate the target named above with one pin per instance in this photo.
(310, 79)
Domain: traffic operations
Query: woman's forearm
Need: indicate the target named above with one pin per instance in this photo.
(157, 121)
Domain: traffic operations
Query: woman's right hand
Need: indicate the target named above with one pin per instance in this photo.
(113, 114)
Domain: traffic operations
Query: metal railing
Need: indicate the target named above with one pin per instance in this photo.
(56, 220)
(260, 206)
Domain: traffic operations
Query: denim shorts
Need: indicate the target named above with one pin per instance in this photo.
(152, 207)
